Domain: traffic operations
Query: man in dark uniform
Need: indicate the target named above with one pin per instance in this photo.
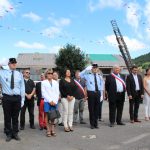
(13, 91)
(94, 85)
(29, 100)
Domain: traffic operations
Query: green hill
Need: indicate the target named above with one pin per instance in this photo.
(143, 61)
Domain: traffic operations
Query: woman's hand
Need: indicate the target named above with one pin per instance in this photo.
(52, 103)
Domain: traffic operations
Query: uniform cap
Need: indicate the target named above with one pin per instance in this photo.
(12, 61)
(94, 65)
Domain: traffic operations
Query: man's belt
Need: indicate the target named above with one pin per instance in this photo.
(10, 95)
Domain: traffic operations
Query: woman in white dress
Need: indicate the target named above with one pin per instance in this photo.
(146, 99)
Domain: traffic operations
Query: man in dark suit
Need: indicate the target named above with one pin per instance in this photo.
(40, 104)
(135, 92)
(29, 100)
(115, 89)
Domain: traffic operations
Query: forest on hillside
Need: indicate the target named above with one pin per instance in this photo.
(142, 61)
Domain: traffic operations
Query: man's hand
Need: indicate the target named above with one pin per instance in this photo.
(142, 96)
(29, 96)
(22, 104)
(130, 97)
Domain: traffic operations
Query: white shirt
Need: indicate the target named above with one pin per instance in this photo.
(137, 87)
(50, 91)
(119, 85)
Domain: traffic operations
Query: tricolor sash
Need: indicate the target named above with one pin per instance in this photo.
(79, 85)
(119, 79)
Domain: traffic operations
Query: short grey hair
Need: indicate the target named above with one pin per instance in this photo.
(116, 66)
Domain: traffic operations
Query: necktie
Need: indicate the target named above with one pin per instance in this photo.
(12, 80)
(96, 86)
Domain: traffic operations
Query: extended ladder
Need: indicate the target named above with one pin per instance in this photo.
(122, 45)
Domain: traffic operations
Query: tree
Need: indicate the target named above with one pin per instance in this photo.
(70, 57)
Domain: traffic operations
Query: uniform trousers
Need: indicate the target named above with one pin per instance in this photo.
(11, 109)
(93, 106)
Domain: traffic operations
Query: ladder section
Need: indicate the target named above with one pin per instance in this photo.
(122, 45)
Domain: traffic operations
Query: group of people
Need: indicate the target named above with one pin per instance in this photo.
(68, 95)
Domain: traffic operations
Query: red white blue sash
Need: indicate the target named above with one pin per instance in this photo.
(119, 79)
(79, 85)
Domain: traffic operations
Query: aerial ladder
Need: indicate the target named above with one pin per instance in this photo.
(122, 45)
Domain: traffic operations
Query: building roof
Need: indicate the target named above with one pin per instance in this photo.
(107, 60)
(47, 60)
(38, 60)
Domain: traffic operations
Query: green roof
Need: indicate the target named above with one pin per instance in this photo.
(102, 57)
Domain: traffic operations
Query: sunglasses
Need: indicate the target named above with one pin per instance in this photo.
(49, 73)
(27, 72)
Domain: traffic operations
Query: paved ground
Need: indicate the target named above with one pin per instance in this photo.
(130, 137)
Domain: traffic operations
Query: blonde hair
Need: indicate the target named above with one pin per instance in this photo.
(47, 71)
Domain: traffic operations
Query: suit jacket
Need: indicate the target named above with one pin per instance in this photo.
(111, 87)
(131, 85)
(38, 93)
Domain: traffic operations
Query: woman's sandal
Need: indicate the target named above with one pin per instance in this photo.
(66, 129)
(71, 129)
(48, 134)
(53, 133)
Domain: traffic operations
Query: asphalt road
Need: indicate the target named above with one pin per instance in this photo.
(129, 137)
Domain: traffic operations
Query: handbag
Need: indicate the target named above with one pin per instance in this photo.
(53, 114)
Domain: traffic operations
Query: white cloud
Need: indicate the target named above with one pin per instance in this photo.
(51, 31)
(55, 49)
(4, 61)
(133, 14)
(105, 3)
(60, 22)
(34, 17)
(147, 14)
(5, 7)
(147, 11)
(132, 44)
(35, 45)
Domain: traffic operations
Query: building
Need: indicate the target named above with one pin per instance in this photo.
(107, 61)
(38, 62)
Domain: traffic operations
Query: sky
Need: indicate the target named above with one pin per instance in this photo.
(45, 26)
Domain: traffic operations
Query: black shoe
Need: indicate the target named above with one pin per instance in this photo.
(45, 128)
(92, 127)
(82, 122)
(61, 124)
(41, 128)
(16, 137)
(120, 123)
(32, 127)
(101, 120)
(111, 125)
(97, 127)
(21, 128)
(8, 138)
